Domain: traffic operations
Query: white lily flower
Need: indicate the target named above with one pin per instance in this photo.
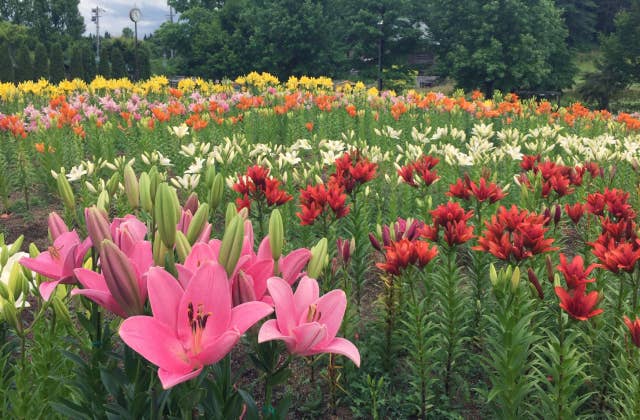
(76, 173)
(180, 131)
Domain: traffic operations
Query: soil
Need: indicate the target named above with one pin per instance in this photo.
(33, 225)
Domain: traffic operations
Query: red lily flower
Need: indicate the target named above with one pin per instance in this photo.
(316, 200)
(256, 184)
(574, 211)
(578, 304)
(483, 191)
(615, 257)
(574, 272)
(634, 329)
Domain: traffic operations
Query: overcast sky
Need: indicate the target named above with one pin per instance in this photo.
(116, 17)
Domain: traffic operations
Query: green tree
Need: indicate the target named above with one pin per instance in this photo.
(76, 63)
(118, 66)
(580, 17)
(502, 44)
(104, 65)
(620, 65)
(144, 61)
(607, 11)
(7, 73)
(88, 62)
(41, 62)
(24, 64)
(56, 64)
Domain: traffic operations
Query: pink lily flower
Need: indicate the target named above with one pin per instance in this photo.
(127, 231)
(185, 221)
(306, 322)
(122, 286)
(59, 261)
(190, 328)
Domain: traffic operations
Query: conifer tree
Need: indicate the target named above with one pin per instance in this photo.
(104, 66)
(76, 68)
(6, 63)
(118, 67)
(41, 62)
(56, 64)
(24, 64)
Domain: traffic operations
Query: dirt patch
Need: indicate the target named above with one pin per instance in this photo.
(32, 225)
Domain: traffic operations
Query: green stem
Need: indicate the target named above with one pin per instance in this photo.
(560, 396)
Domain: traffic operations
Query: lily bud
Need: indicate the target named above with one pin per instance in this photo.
(166, 216)
(66, 193)
(230, 214)
(57, 226)
(515, 279)
(4, 255)
(9, 313)
(33, 250)
(97, 226)
(276, 234)
(198, 223)
(183, 248)
(210, 175)
(231, 245)
(533, 279)
(318, 259)
(549, 268)
(557, 214)
(493, 275)
(216, 192)
(192, 203)
(112, 184)
(60, 309)
(374, 242)
(4, 291)
(155, 179)
(103, 201)
(159, 250)
(120, 276)
(144, 184)
(242, 290)
(131, 188)
(18, 284)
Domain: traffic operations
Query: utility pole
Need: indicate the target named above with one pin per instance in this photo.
(171, 16)
(96, 12)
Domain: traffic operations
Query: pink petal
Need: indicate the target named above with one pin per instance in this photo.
(331, 308)
(184, 275)
(291, 265)
(208, 291)
(156, 342)
(171, 379)
(260, 271)
(247, 244)
(200, 253)
(141, 256)
(264, 250)
(217, 348)
(269, 331)
(102, 298)
(245, 315)
(164, 295)
(43, 264)
(345, 348)
(282, 296)
(308, 336)
(91, 280)
(306, 294)
(47, 287)
(81, 251)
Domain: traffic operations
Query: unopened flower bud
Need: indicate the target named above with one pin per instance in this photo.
(242, 290)
(60, 309)
(120, 277)
(113, 183)
(216, 192)
(155, 180)
(166, 216)
(557, 214)
(66, 193)
(192, 203)
(198, 223)
(57, 226)
(145, 192)
(159, 250)
(98, 226)
(533, 279)
(374, 242)
(493, 275)
(318, 259)
(183, 248)
(131, 187)
(276, 234)
(230, 214)
(210, 175)
(103, 201)
(515, 279)
(231, 245)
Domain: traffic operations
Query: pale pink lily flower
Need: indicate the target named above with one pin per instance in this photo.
(190, 328)
(306, 322)
(59, 261)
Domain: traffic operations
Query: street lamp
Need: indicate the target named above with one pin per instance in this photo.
(135, 14)
(380, 49)
(95, 17)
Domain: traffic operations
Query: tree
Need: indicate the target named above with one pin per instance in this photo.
(88, 62)
(580, 17)
(41, 62)
(118, 67)
(144, 61)
(76, 63)
(127, 33)
(502, 44)
(620, 65)
(104, 65)
(24, 64)
(56, 64)
(7, 73)
(607, 11)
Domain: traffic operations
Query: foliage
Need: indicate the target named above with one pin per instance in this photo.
(57, 70)
(41, 59)
(76, 62)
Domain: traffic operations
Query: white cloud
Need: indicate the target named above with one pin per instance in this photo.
(116, 16)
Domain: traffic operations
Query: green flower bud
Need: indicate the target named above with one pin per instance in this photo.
(155, 178)
(145, 192)
(15, 247)
(276, 234)
(198, 223)
(9, 314)
(103, 201)
(33, 250)
(216, 192)
(318, 259)
(131, 187)
(183, 248)
(231, 245)
(210, 175)
(60, 309)
(230, 214)
(515, 279)
(166, 215)
(159, 250)
(66, 193)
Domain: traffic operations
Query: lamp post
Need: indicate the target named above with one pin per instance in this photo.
(380, 49)
(135, 14)
(95, 17)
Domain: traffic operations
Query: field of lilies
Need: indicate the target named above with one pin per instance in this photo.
(257, 249)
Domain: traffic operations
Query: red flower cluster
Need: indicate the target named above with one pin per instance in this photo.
(318, 199)
(402, 229)
(482, 191)
(256, 184)
(452, 218)
(574, 300)
(403, 253)
(353, 169)
(421, 169)
(515, 234)
(618, 247)
(556, 178)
